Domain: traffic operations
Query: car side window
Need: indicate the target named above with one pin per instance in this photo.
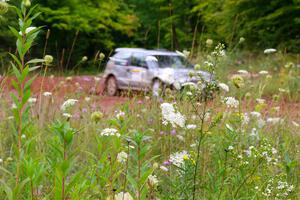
(138, 60)
(122, 58)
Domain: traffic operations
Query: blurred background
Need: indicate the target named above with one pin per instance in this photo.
(74, 29)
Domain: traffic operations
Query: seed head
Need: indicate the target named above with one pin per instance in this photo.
(48, 59)
(26, 3)
(238, 81)
(96, 116)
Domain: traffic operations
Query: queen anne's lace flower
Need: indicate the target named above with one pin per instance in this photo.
(110, 132)
(242, 71)
(120, 115)
(47, 94)
(178, 158)
(123, 196)
(269, 51)
(153, 181)
(231, 102)
(224, 87)
(263, 72)
(122, 157)
(255, 114)
(171, 116)
(32, 100)
(191, 126)
(274, 120)
(68, 103)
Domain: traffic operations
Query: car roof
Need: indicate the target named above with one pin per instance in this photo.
(148, 52)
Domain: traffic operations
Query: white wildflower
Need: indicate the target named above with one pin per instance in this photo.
(274, 120)
(67, 115)
(263, 72)
(191, 126)
(122, 157)
(178, 158)
(153, 181)
(246, 119)
(13, 106)
(255, 114)
(295, 124)
(32, 100)
(269, 51)
(180, 137)
(274, 151)
(254, 133)
(68, 103)
(47, 94)
(110, 132)
(171, 116)
(261, 101)
(123, 196)
(1, 160)
(231, 102)
(209, 64)
(189, 93)
(283, 90)
(120, 115)
(164, 168)
(230, 148)
(261, 123)
(87, 99)
(242, 71)
(224, 87)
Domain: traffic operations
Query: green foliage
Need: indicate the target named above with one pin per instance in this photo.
(92, 26)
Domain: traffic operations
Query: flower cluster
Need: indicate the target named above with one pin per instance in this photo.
(110, 132)
(224, 87)
(171, 116)
(178, 158)
(153, 181)
(68, 103)
(231, 102)
(123, 196)
(122, 157)
(278, 189)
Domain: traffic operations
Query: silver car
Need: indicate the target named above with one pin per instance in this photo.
(148, 70)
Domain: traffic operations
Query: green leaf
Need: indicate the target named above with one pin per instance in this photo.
(34, 68)
(15, 32)
(17, 190)
(16, 60)
(15, 85)
(132, 181)
(36, 60)
(8, 190)
(24, 73)
(29, 82)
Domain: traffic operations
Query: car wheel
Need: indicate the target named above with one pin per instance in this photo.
(157, 88)
(111, 86)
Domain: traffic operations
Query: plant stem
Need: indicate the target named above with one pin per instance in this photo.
(224, 175)
(126, 169)
(63, 178)
(32, 189)
(246, 178)
(198, 148)
(72, 48)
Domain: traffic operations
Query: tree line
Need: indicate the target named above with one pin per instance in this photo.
(87, 27)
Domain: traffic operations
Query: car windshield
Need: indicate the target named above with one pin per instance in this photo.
(172, 61)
